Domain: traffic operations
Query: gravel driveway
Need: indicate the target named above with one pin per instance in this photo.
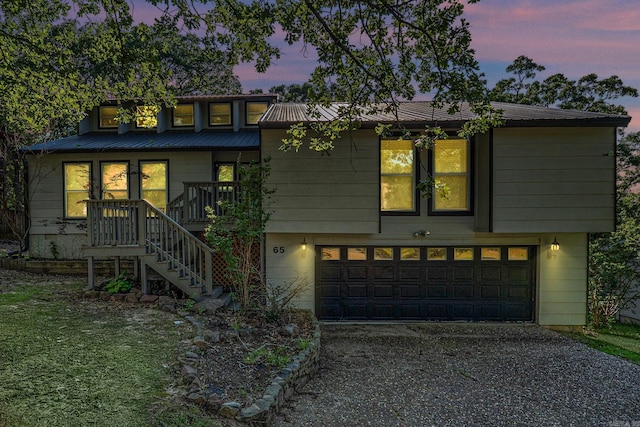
(463, 375)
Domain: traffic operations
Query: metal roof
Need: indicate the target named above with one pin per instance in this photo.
(144, 141)
(420, 113)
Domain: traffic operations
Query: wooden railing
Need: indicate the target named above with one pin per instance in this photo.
(189, 207)
(128, 223)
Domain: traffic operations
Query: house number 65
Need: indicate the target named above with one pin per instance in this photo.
(278, 249)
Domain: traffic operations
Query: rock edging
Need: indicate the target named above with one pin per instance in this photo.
(296, 374)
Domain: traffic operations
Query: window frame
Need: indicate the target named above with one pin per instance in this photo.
(470, 183)
(89, 191)
(246, 111)
(230, 105)
(167, 175)
(112, 162)
(193, 115)
(416, 199)
(100, 116)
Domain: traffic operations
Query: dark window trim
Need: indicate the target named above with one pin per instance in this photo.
(168, 176)
(230, 104)
(128, 163)
(64, 186)
(470, 211)
(246, 111)
(416, 179)
(193, 115)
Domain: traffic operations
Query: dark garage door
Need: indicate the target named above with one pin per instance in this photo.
(488, 283)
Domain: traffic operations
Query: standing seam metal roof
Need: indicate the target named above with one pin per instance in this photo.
(424, 112)
(137, 141)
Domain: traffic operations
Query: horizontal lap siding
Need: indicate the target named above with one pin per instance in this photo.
(336, 193)
(553, 180)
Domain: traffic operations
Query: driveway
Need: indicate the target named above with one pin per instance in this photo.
(463, 375)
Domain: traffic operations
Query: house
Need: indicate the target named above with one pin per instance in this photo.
(139, 179)
(504, 238)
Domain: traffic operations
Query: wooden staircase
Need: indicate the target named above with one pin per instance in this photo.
(135, 228)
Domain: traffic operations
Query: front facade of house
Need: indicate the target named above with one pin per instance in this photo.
(353, 225)
(158, 157)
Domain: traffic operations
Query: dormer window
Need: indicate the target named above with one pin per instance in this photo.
(146, 116)
(183, 115)
(255, 110)
(108, 117)
(220, 114)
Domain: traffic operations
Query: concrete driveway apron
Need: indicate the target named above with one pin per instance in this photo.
(450, 374)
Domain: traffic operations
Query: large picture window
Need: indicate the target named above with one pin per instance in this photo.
(114, 179)
(397, 176)
(77, 189)
(451, 174)
(154, 183)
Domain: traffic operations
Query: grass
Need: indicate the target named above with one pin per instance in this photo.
(68, 362)
(619, 340)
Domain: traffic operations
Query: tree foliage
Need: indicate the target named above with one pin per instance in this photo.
(588, 93)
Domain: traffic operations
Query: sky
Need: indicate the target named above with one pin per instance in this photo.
(572, 37)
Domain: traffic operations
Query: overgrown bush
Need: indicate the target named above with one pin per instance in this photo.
(118, 284)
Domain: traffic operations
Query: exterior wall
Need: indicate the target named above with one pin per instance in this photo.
(561, 282)
(324, 193)
(553, 180)
(53, 236)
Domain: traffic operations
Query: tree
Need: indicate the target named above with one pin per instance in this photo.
(588, 93)
(614, 258)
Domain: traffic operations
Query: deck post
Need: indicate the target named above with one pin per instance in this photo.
(90, 273)
(116, 266)
(143, 276)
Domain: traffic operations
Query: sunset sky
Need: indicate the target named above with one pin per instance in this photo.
(572, 37)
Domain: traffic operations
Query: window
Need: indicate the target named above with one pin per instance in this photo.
(518, 254)
(383, 254)
(77, 189)
(451, 175)
(330, 254)
(183, 115)
(114, 179)
(357, 254)
(437, 254)
(255, 110)
(410, 254)
(490, 254)
(108, 117)
(147, 116)
(397, 182)
(463, 254)
(220, 114)
(153, 183)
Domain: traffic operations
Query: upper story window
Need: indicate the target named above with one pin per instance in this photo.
(397, 176)
(108, 117)
(146, 116)
(114, 180)
(255, 110)
(183, 115)
(77, 189)
(220, 114)
(452, 178)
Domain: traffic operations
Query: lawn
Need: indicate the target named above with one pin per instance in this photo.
(618, 339)
(69, 362)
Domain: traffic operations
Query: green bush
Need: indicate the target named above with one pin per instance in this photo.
(118, 284)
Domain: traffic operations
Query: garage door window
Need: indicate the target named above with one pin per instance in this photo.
(383, 254)
(437, 254)
(330, 254)
(357, 254)
(490, 254)
(518, 254)
(463, 254)
(410, 254)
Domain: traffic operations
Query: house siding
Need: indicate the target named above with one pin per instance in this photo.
(553, 180)
(336, 193)
(49, 228)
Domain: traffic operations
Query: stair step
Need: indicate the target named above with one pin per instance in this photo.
(217, 291)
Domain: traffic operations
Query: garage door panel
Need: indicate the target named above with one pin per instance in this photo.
(487, 285)
(409, 291)
(490, 291)
(409, 273)
(386, 272)
(357, 272)
(436, 273)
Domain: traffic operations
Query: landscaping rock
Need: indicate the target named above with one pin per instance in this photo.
(229, 409)
(148, 299)
(208, 306)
